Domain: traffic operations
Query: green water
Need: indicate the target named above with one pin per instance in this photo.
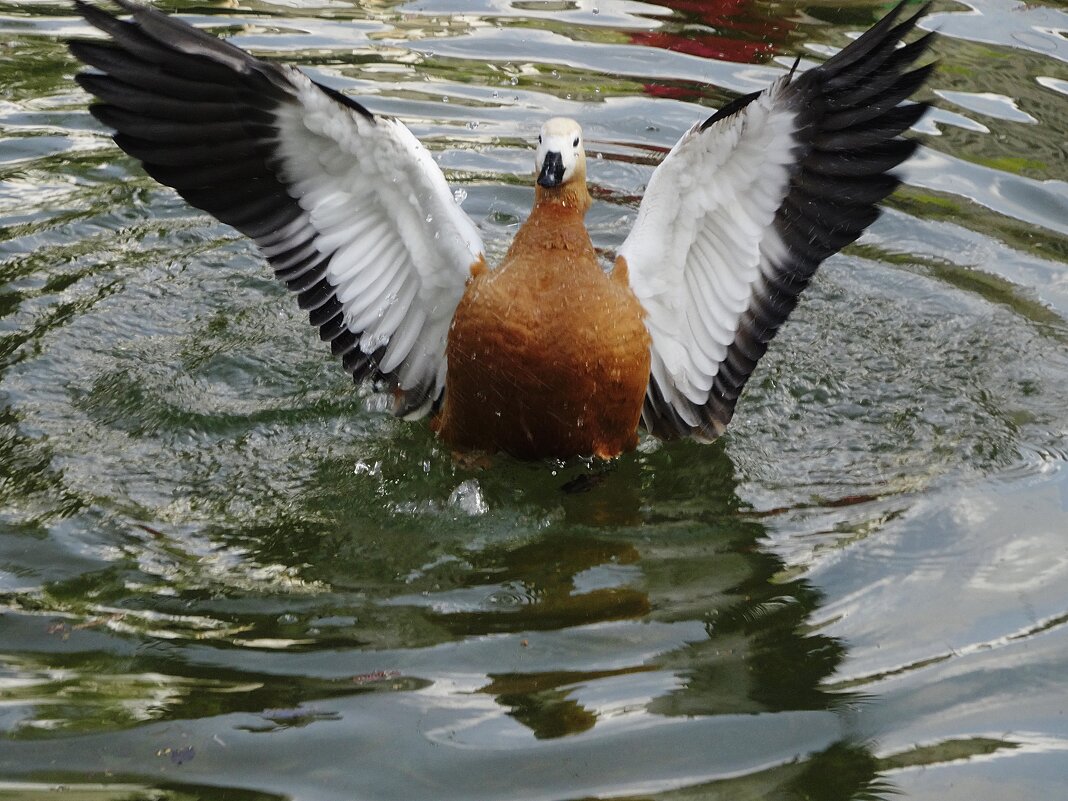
(225, 574)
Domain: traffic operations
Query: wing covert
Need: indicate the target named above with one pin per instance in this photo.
(745, 207)
(348, 207)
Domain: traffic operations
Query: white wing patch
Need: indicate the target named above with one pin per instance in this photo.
(400, 247)
(696, 248)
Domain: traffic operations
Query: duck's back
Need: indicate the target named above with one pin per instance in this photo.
(547, 355)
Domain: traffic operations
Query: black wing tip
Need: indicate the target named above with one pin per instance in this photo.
(103, 113)
(91, 81)
(910, 22)
(889, 23)
(96, 16)
(103, 19)
(84, 49)
(88, 9)
(881, 35)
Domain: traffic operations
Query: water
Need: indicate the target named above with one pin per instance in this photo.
(225, 574)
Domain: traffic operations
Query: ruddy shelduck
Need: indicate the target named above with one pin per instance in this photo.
(548, 354)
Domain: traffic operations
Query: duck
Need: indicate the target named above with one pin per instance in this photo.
(547, 355)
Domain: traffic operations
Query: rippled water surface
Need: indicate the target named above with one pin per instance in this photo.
(226, 574)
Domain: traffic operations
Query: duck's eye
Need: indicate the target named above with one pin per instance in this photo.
(575, 143)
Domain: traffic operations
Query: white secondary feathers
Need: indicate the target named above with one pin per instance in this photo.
(401, 247)
(694, 253)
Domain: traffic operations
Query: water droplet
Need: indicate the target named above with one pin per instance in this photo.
(460, 195)
(595, 10)
(444, 98)
(371, 344)
(430, 218)
(567, 96)
(363, 468)
(555, 74)
(513, 80)
(473, 125)
(468, 499)
(496, 93)
(649, 445)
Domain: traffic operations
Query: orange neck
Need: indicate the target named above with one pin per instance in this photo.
(572, 195)
(555, 223)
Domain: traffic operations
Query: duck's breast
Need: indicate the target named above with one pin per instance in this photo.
(547, 357)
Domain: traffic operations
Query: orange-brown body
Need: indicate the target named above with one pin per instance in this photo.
(547, 354)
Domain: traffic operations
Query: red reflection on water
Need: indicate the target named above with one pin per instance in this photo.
(742, 34)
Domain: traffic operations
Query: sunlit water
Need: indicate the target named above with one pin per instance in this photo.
(226, 574)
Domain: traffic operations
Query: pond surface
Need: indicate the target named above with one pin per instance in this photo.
(226, 574)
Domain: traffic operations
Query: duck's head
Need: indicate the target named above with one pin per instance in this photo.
(560, 158)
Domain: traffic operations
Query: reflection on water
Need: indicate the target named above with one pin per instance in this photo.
(221, 567)
(577, 622)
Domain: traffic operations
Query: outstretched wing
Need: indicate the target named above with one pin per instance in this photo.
(747, 204)
(351, 211)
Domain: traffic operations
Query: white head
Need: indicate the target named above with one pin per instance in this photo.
(560, 155)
